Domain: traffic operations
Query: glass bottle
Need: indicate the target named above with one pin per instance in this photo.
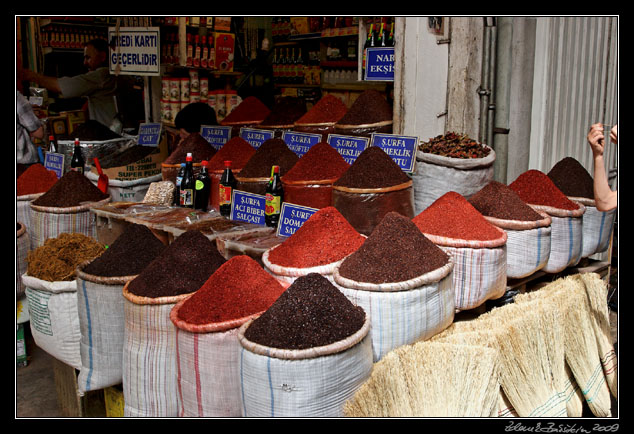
(225, 190)
(203, 187)
(274, 199)
(77, 163)
(188, 183)
(177, 189)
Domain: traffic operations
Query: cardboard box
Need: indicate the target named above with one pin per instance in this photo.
(143, 168)
(224, 44)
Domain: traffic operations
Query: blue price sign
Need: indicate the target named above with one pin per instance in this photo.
(54, 162)
(402, 149)
(247, 207)
(380, 64)
(255, 136)
(349, 147)
(300, 143)
(215, 135)
(149, 134)
(292, 217)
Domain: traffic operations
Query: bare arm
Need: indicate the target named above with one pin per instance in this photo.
(604, 196)
(45, 81)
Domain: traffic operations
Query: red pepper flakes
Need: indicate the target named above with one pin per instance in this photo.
(237, 289)
(321, 162)
(328, 109)
(35, 179)
(452, 216)
(536, 188)
(250, 109)
(324, 238)
(455, 146)
(237, 150)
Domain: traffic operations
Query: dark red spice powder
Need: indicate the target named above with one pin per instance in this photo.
(35, 179)
(285, 112)
(70, 190)
(195, 144)
(452, 216)
(572, 178)
(237, 150)
(328, 109)
(321, 162)
(324, 238)
(369, 108)
(129, 254)
(536, 188)
(182, 267)
(239, 288)
(373, 168)
(312, 312)
(455, 146)
(273, 152)
(498, 200)
(250, 110)
(395, 251)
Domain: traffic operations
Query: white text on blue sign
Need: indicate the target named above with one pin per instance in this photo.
(402, 149)
(215, 135)
(349, 147)
(300, 143)
(256, 137)
(292, 217)
(248, 207)
(149, 134)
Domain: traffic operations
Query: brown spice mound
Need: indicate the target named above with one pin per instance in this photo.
(328, 109)
(237, 150)
(373, 168)
(285, 112)
(498, 200)
(369, 108)
(128, 255)
(572, 178)
(195, 144)
(395, 251)
(454, 146)
(70, 190)
(321, 162)
(57, 259)
(312, 312)
(182, 268)
(272, 152)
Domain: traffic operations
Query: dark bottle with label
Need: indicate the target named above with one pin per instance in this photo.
(274, 199)
(203, 188)
(188, 183)
(225, 190)
(77, 163)
(177, 188)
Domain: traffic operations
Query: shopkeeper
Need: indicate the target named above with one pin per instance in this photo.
(97, 85)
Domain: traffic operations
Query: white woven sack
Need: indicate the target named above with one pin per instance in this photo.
(597, 227)
(288, 275)
(22, 247)
(403, 316)
(127, 191)
(436, 175)
(54, 319)
(207, 373)
(101, 318)
(149, 382)
(566, 237)
(23, 211)
(315, 382)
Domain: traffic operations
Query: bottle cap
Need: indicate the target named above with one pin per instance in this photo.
(276, 169)
(227, 163)
(204, 163)
(189, 157)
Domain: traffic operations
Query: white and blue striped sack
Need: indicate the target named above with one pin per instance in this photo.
(597, 227)
(403, 312)
(313, 382)
(100, 305)
(527, 244)
(566, 237)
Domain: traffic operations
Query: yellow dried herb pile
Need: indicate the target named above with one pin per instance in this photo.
(57, 259)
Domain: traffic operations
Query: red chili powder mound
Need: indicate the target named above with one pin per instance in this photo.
(498, 200)
(35, 179)
(273, 152)
(452, 216)
(238, 150)
(324, 238)
(373, 168)
(369, 108)
(199, 147)
(250, 110)
(329, 109)
(321, 162)
(239, 288)
(536, 188)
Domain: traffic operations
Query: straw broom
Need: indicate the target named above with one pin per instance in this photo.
(596, 289)
(429, 379)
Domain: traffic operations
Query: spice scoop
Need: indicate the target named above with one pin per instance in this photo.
(102, 182)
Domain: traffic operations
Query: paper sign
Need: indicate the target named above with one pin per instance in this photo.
(215, 135)
(349, 147)
(54, 162)
(136, 50)
(149, 134)
(255, 136)
(247, 207)
(402, 149)
(300, 143)
(292, 217)
(379, 64)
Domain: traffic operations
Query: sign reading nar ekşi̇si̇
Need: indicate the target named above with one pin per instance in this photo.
(379, 64)
(135, 50)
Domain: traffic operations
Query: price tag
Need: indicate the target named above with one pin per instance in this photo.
(149, 134)
(255, 136)
(292, 217)
(54, 162)
(247, 207)
(349, 147)
(215, 135)
(402, 149)
(379, 64)
(300, 143)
